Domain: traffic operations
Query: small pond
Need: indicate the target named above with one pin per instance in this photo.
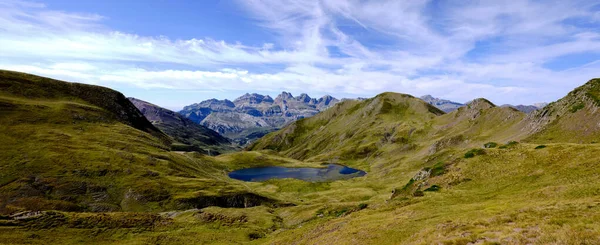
(331, 173)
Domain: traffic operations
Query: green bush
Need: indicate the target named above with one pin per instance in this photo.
(438, 169)
(490, 145)
(540, 147)
(409, 184)
(509, 144)
(474, 152)
(433, 188)
(576, 107)
(362, 206)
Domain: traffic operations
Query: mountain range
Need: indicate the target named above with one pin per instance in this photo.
(187, 135)
(84, 164)
(251, 116)
(449, 106)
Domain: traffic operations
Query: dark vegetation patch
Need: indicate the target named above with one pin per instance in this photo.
(408, 185)
(433, 188)
(540, 147)
(256, 235)
(510, 144)
(438, 169)
(474, 152)
(576, 107)
(490, 145)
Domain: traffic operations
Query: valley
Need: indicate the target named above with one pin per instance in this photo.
(84, 164)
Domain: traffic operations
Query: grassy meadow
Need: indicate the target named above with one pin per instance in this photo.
(473, 176)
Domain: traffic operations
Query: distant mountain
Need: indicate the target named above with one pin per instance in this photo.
(442, 104)
(527, 108)
(347, 130)
(189, 135)
(251, 116)
(448, 106)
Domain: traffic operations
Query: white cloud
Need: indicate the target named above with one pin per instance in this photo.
(458, 50)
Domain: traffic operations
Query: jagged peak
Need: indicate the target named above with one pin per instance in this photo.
(303, 97)
(253, 98)
(327, 99)
(428, 97)
(284, 96)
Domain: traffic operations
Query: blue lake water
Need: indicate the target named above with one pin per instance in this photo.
(331, 173)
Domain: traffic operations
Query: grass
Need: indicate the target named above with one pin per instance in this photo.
(474, 152)
(104, 181)
(576, 107)
(437, 169)
(510, 144)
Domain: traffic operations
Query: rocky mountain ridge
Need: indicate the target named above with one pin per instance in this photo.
(253, 115)
(187, 135)
(442, 104)
(449, 106)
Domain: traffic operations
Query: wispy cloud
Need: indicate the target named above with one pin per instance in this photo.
(458, 50)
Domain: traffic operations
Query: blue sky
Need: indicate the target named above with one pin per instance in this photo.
(175, 53)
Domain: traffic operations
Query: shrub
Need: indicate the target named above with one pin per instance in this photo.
(540, 147)
(433, 188)
(509, 144)
(490, 145)
(255, 235)
(418, 193)
(474, 152)
(438, 169)
(362, 206)
(576, 107)
(408, 185)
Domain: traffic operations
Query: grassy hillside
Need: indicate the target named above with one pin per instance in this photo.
(574, 118)
(518, 195)
(75, 147)
(353, 129)
(477, 175)
(453, 178)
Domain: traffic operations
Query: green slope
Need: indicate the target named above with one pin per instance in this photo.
(574, 118)
(74, 147)
(430, 180)
(511, 193)
(353, 129)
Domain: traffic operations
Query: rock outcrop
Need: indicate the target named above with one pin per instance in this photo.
(251, 116)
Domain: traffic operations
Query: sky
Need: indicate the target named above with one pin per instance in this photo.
(175, 53)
